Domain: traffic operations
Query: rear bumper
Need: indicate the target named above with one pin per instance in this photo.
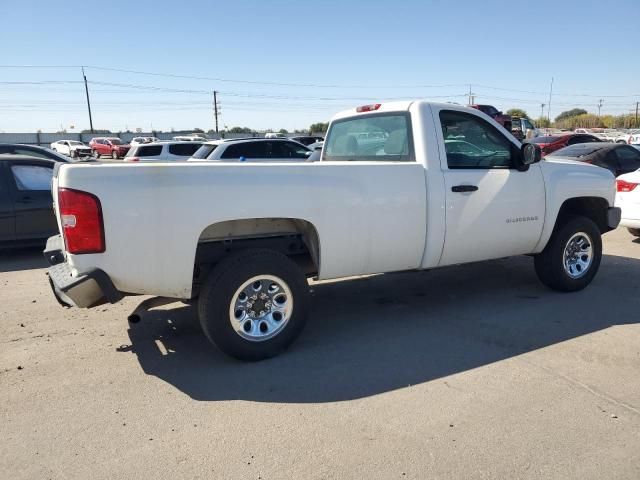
(88, 290)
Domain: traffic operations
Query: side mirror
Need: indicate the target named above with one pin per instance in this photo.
(531, 154)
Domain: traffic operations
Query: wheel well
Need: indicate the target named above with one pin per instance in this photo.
(296, 238)
(594, 208)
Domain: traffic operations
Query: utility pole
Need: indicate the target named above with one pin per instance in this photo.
(472, 96)
(549, 104)
(600, 102)
(215, 107)
(637, 103)
(86, 90)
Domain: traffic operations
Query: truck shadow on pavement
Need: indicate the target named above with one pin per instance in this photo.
(17, 259)
(373, 335)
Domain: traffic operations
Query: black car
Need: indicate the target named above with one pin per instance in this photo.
(26, 213)
(31, 151)
(615, 157)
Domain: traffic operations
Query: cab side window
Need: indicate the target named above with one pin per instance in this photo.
(471, 142)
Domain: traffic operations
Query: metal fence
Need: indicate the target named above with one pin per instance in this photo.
(45, 139)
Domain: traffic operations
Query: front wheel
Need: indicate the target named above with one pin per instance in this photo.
(572, 257)
(95, 154)
(114, 155)
(254, 304)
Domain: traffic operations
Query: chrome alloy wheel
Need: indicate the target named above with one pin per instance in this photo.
(261, 308)
(578, 255)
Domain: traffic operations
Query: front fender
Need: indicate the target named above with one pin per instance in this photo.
(566, 180)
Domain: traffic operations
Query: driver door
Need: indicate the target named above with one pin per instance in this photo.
(493, 210)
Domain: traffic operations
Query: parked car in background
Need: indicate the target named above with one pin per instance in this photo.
(523, 129)
(109, 146)
(190, 138)
(161, 151)
(254, 150)
(615, 157)
(316, 146)
(628, 200)
(71, 148)
(275, 135)
(502, 118)
(631, 138)
(551, 143)
(142, 140)
(26, 216)
(31, 151)
(307, 139)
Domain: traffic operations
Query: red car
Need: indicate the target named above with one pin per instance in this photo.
(497, 115)
(111, 146)
(551, 143)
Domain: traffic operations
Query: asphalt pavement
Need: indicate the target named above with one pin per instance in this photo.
(469, 372)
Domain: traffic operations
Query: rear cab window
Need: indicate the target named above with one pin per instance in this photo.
(384, 137)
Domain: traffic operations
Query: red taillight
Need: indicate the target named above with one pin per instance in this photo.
(368, 108)
(81, 218)
(622, 186)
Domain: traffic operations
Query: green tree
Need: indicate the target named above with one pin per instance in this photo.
(283, 131)
(517, 112)
(318, 127)
(239, 130)
(198, 130)
(574, 112)
(542, 122)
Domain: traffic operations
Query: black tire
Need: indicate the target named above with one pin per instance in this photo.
(634, 231)
(95, 154)
(74, 154)
(220, 288)
(114, 154)
(549, 263)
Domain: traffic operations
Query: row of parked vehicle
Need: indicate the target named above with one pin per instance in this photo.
(183, 147)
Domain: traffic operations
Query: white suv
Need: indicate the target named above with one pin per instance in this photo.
(161, 151)
(253, 150)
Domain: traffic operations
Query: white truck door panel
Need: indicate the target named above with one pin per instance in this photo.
(503, 217)
(492, 209)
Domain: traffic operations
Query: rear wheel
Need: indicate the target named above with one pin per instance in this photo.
(572, 256)
(634, 231)
(254, 304)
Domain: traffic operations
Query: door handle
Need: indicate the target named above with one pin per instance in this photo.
(464, 188)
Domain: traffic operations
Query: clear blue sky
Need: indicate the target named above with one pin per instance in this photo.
(354, 52)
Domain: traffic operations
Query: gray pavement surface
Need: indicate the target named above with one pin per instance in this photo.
(474, 371)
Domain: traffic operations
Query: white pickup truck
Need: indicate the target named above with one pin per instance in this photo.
(400, 186)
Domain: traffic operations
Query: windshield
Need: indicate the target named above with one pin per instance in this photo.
(204, 151)
(378, 137)
(75, 143)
